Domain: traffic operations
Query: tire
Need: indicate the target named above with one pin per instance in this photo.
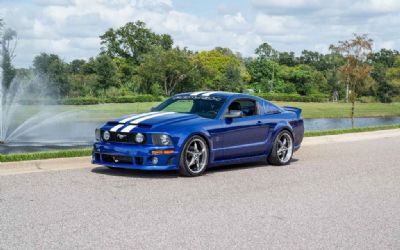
(194, 157)
(282, 149)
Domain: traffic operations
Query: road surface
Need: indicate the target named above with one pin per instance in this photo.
(339, 192)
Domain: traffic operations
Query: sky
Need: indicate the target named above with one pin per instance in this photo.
(71, 28)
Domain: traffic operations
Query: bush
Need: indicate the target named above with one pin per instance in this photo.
(367, 99)
(133, 98)
(294, 97)
(80, 101)
(115, 99)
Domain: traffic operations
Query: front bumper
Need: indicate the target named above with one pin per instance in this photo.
(134, 156)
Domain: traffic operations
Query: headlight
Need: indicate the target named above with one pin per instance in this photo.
(165, 140)
(106, 135)
(98, 134)
(161, 139)
(139, 138)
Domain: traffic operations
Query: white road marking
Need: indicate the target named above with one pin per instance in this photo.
(137, 121)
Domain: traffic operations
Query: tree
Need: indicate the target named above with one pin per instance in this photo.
(263, 74)
(287, 58)
(265, 51)
(393, 76)
(8, 45)
(355, 73)
(76, 66)
(218, 65)
(106, 73)
(132, 41)
(51, 66)
(174, 69)
(382, 61)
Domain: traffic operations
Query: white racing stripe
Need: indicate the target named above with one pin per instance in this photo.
(128, 128)
(197, 93)
(137, 121)
(115, 128)
(136, 116)
(209, 93)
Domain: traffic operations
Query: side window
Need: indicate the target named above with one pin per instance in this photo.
(270, 108)
(248, 107)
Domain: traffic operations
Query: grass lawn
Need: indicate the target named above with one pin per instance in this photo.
(310, 110)
(105, 112)
(342, 110)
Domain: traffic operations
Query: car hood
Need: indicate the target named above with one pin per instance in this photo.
(156, 119)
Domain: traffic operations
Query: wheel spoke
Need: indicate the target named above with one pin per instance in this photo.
(196, 156)
(192, 161)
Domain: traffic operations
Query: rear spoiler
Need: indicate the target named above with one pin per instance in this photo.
(293, 109)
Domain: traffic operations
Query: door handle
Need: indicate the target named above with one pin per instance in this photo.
(259, 123)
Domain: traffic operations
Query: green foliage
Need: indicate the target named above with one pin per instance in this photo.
(51, 67)
(293, 97)
(106, 72)
(135, 60)
(170, 69)
(8, 40)
(132, 41)
(109, 99)
(222, 70)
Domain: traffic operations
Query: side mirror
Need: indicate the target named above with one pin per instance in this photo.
(234, 114)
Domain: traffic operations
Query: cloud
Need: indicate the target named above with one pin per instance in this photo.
(71, 28)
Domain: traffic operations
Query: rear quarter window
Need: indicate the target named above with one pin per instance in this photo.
(270, 108)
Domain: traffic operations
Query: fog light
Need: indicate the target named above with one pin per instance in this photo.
(154, 160)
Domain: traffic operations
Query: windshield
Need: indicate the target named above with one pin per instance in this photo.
(204, 106)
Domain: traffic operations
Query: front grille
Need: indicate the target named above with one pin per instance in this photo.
(122, 137)
(117, 159)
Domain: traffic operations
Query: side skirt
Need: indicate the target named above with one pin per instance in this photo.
(239, 160)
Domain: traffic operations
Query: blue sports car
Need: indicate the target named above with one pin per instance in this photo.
(192, 131)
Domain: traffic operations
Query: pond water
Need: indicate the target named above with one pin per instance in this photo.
(338, 123)
(81, 134)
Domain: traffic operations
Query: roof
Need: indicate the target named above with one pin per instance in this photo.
(222, 94)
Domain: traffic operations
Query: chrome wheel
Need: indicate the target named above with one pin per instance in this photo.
(284, 148)
(196, 156)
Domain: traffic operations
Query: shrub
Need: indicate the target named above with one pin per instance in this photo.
(114, 99)
(367, 99)
(80, 101)
(294, 97)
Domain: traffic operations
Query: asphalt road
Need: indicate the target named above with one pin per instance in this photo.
(344, 194)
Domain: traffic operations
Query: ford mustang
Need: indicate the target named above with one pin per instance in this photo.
(192, 131)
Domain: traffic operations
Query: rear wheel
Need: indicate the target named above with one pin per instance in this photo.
(282, 150)
(194, 157)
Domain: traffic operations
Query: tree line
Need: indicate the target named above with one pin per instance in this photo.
(136, 60)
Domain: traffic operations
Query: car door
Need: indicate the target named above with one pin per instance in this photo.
(246, 135)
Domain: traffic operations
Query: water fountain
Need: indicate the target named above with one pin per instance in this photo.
(41, 125)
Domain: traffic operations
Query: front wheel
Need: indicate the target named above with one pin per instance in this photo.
(194, 157)
(282, 150)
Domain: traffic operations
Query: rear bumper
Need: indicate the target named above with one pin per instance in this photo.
(134, 156)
